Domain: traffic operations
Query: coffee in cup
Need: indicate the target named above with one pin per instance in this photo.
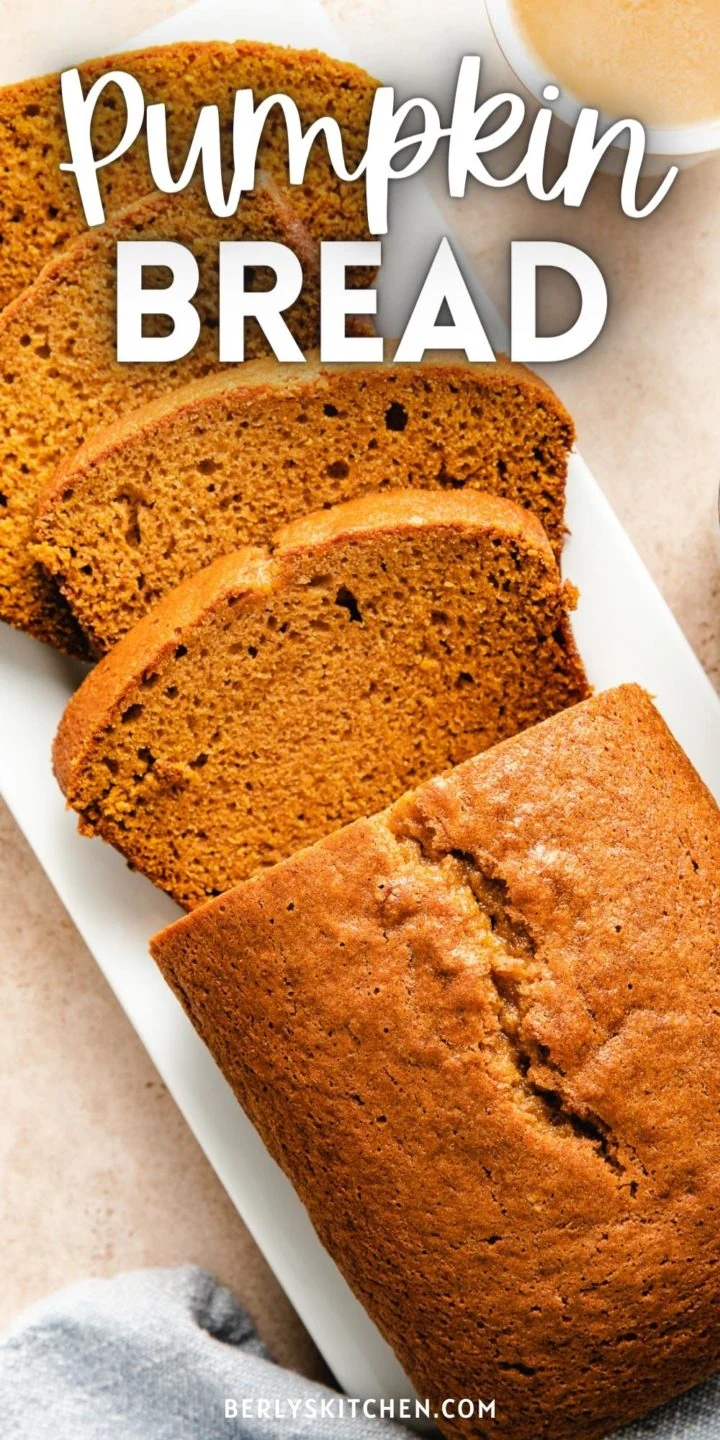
(657, 60)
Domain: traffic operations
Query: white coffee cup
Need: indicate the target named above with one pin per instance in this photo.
(681, 145)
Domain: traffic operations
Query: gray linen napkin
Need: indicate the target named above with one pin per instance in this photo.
(156, 1354)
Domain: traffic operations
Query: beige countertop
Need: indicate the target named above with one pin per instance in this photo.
(99, 1171)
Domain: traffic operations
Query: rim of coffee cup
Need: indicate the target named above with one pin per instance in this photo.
(688, 139)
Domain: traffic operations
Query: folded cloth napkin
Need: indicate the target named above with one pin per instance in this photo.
(158, 1355)
(164, 1354)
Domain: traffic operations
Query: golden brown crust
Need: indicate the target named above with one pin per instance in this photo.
(391, 509)
(40, 210)
(252, 687)
(480, 1032)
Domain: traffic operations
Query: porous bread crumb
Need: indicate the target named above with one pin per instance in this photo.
(59, 376)
(40, 210)
(223, 462)
(479, 1033)
(271, 698)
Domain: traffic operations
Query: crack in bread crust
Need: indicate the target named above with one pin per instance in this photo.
(351, 998)
(513, 972)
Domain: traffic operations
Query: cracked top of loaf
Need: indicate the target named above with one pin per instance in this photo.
(480, 1033)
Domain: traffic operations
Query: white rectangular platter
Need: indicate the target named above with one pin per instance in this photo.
(625, 632)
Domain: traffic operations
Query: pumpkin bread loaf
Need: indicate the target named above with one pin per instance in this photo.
(274, 696)
(59, 375)
(40, 209)
(480, 1034)
(225, 461)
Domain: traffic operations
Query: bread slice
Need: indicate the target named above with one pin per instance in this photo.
(480, 1034)
(274, 696)
(224, 461)
(59, 376)
(40, 209)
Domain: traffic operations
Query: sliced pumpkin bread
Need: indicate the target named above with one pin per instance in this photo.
(40, 209)
(59, 376)
(279, 694)
(226, 460)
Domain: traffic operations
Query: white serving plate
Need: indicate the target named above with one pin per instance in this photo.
(625, 632)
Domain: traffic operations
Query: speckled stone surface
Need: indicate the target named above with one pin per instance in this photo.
(99, 1171)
